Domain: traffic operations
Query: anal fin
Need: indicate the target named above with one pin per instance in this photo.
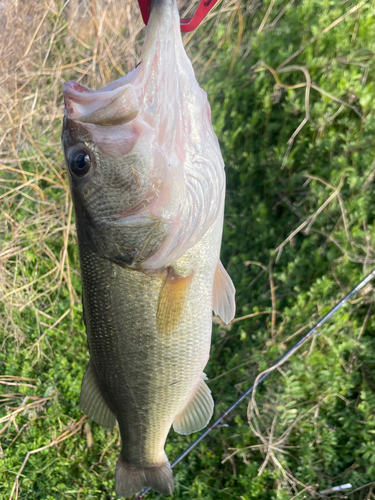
(172, 301)
(92, 402)
(197, 413)
(223, 304)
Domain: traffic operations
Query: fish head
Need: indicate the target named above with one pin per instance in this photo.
(145, 168)
(113, 173)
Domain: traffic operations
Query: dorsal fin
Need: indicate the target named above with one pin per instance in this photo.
(223, 304)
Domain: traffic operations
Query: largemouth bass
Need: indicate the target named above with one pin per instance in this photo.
(148, 186)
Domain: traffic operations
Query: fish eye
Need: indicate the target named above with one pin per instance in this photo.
(80, 162)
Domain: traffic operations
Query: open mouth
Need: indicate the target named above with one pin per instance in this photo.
(114, 105)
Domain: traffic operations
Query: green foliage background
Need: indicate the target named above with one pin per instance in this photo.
(299, 233)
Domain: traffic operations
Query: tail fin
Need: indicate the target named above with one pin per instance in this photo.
(130, 480)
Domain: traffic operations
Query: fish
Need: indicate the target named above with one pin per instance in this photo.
(147, 182)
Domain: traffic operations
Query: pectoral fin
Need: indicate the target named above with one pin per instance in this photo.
(92, 402)
(172, 301)
(223, 303)
(197, 413)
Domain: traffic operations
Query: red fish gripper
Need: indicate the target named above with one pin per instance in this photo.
(187, 24)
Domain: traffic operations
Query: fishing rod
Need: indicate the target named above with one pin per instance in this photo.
(265, 374)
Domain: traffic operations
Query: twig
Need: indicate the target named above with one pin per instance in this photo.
(36, 32)
(266, 16)
(273, 300)
(252, 315)
(368, 485)
(239, 38)
(282, 12)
